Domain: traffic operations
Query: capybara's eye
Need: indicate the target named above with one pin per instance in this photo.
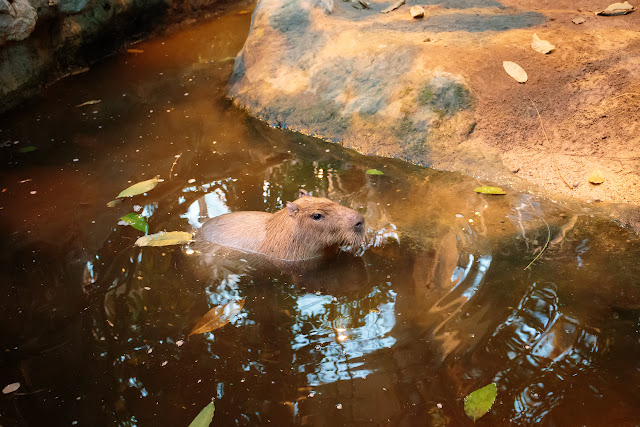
(317, 216)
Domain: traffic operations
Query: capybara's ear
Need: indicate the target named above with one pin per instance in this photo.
(292, 209)
(303, 193)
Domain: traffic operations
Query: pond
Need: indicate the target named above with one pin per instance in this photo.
(437, 303)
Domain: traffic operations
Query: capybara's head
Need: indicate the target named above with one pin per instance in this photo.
(319, 225)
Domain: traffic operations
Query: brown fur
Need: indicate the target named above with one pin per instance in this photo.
(291, 233)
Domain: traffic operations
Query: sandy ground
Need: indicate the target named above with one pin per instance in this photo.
(587, 93)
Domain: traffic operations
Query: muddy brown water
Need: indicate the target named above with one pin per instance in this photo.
(435, 305)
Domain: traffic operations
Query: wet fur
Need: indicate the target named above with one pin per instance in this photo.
(290, 233)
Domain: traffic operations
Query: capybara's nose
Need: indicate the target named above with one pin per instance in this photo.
(359, 226)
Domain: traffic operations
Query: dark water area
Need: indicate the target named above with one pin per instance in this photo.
(437, 302)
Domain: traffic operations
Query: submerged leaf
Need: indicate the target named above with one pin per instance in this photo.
(479, 402)
(135, 50)
(541, 46)
(140, 187)
(374, 172)
(137, 221)
(617, 9)
(10, 388)
(489, 190)
(165, 239)
(515, 71)
(92, 102)
(596, 177)
(28, 149)
(217, 317)
(204, 418)
(114, 203)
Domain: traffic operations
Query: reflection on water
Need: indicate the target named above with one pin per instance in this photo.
(435, 304)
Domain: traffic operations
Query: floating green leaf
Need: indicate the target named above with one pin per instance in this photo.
(204, 418)
(489, 190)
(479, 402)
(140, 187)
(217, 317)
(374, 172)
(137, 221)
(28, 149)
(165, 239)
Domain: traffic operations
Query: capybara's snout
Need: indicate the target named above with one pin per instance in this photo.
(358, 225)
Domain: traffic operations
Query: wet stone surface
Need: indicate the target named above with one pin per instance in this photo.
(356, 76)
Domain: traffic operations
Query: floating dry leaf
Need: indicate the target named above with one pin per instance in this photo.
(515, 71)
(541, 46)
(393, 7)
(114, 203)
(92, 102)
(416, 12)
(489, 190)
(163, 238)
(80, 71)
(617, 9)
(579, 20)
(140, 187)
(135, 50)
(596, 177)
(10, 388)
(217, 317)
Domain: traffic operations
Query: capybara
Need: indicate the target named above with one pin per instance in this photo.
(307, 228)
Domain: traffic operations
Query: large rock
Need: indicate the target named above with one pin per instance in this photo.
(433, 90)
(17, 20)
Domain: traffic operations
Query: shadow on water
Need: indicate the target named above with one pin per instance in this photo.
(436, 304)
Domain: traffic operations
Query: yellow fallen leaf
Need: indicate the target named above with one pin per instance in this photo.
(515, 71)
(596, 177)
(135, 50)
(217, 317)
(541, 46)
(489, 190)
(617, 9)
(165, 238)
(140, 187)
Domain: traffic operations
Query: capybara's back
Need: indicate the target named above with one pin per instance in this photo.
(307, 228)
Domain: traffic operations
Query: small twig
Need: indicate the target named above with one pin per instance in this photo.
(625, 94)
(546, 245)
(173, 165)
(600, 157)
(553, 156)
